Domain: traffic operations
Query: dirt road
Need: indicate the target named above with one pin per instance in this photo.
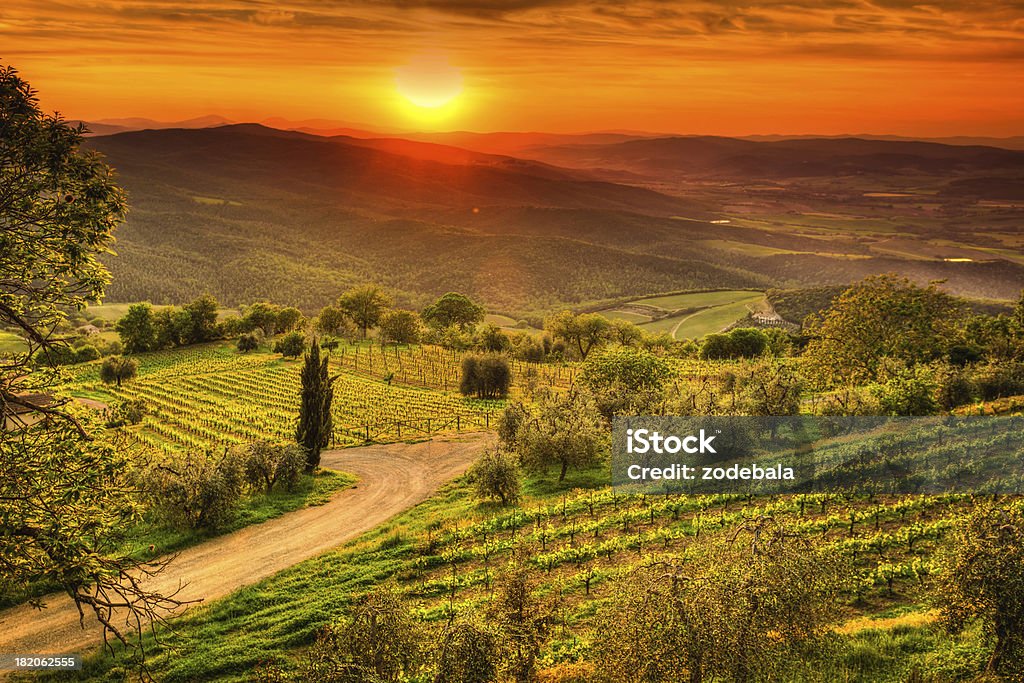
(392, 478)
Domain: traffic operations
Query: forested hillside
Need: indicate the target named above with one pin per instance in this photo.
(247, 213)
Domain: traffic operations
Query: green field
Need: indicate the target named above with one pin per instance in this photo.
(715, 311)
(675, 302)
(11, 343)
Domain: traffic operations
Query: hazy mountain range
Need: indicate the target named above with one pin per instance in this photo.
(248, 212)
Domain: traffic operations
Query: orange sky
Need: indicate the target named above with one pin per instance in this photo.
(908, 67)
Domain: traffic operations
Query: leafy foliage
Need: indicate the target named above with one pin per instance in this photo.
(982, 578)
(880, 317)
(487, 377)
(496, 475)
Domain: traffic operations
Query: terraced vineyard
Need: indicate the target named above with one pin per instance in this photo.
(433, 367)
(577, 543)
(212, 396)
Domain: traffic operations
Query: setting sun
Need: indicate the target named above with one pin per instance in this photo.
(429, 82)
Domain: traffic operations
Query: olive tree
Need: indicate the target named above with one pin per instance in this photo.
(740, 611)
(496, 475)
(117, 369)
(981, 578)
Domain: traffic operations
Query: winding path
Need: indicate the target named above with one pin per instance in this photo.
(391, 478)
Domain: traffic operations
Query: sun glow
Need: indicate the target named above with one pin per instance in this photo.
(429, 83)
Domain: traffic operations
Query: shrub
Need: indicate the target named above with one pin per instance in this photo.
(907, 391)
(468, 652)
(127, 412)
(496, 475)
(982, 579)
(291, 345)
(248, 342)
(378, 643)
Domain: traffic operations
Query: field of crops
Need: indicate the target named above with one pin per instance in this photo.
(212, 396)
(446, 555)
(689, 315)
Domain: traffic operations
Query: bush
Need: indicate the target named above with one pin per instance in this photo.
(743, 342)
(496, 475)
(199, 491)
(379, 642)
(907, 391)
(267, 465)
(127, 412)
(488, 377)
(248, 342)
(291, 345)
(999, 380)
(469, 652)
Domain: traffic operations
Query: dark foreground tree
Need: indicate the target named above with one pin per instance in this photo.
(314, 429)
(487, 377)
(982, 579)
(64, 496)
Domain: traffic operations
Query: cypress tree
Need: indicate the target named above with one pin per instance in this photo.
(314, 429)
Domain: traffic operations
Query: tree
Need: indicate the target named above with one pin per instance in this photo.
(625, 333)
(267, 464)
(291, 345)
(469, 651)
(248, 342)
(770, 388)
(288, 319)
(877, 318)
(117, 369)
(453, 309)
(584, 332)
(522, 622)
(66, 496)
(198, 491)
(313, 432)
(378, 643)
(492, 338)
(364, 305)
(488, 376)
(564, 431)
(261, 315)
(625, 380)
(738, 611)
(496, 475)
(332, 321)
(981, 578)
(202, 320)
(137, 329)
(400, 327)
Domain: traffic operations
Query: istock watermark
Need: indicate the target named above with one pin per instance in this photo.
(728, 454)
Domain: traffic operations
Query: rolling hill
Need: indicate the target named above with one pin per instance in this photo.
(247, 212)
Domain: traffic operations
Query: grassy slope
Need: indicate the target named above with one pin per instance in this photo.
(274, 619)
